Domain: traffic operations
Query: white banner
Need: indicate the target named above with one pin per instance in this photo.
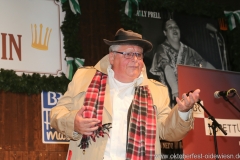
(198, 111)
(231, 126)
(30, 36)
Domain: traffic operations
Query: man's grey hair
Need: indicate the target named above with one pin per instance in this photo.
(114, 48)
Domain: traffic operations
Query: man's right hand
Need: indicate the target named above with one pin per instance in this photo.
(85, 126)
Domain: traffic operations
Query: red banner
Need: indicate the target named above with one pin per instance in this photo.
(199, 143)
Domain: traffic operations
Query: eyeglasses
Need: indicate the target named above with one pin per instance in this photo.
(129, 55)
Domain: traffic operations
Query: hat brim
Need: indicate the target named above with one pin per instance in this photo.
(146, 45)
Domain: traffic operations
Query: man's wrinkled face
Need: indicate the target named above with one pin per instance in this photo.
(126, 67)
(172, 31)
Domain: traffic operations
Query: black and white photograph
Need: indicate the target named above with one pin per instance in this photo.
(181, 39)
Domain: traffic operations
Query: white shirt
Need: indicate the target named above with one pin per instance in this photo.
(121, 97)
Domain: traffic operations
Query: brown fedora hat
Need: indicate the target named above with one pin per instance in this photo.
(130, 37)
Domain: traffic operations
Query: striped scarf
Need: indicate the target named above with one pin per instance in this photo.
(142, 126)
(141, 119)
(93, 103)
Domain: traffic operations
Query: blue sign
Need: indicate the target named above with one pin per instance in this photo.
(49, 134)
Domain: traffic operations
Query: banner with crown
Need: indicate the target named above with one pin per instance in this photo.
(32, 44)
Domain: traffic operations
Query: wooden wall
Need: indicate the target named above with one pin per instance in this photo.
(21, 129)
(20, 114)
(100, 20)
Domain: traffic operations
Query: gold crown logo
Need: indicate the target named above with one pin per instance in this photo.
(38, 44)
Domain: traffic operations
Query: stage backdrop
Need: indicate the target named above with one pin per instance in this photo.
(200, 142)
(198, 33)
(30, 39)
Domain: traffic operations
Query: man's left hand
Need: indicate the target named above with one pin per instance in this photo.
(188, 102)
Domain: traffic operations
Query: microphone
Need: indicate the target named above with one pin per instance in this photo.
(211, 28)
(227, 93)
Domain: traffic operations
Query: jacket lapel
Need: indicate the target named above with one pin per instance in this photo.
(107, 111)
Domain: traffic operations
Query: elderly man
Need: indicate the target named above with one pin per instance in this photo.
(112, 111)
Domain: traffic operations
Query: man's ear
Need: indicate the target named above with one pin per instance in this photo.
(164, 32)
(111, 57)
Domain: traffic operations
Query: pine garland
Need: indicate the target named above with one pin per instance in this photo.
(70, 30)
(31, 84)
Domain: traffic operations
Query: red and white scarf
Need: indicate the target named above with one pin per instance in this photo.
(141, 119)
(142, 126)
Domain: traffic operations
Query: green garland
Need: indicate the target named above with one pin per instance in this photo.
(31, 84)
(70, 30)
(35, 84)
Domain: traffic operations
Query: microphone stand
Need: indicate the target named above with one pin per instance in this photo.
(219, 50)
(214, 126)
(224, 51)
(226, 99)
(213, 29)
